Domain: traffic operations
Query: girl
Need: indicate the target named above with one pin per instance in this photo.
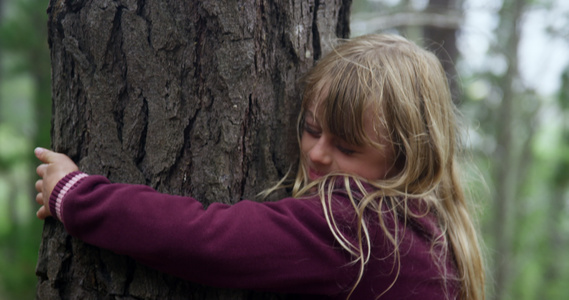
(377, 209)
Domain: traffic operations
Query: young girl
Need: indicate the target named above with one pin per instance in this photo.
(377, 209)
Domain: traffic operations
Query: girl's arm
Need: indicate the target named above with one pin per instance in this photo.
(283, 246)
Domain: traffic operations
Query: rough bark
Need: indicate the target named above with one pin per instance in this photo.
(190, 97)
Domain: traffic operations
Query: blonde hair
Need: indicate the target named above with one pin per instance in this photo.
(406, 89)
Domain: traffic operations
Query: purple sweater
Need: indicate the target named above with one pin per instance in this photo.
(284, 246)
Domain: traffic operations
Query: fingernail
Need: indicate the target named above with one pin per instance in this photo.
(39, 150)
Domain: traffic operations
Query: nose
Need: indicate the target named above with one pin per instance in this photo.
(321, 152)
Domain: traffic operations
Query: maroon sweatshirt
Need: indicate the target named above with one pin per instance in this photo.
(284, 246)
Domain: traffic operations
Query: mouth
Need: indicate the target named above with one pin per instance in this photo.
(313, 174)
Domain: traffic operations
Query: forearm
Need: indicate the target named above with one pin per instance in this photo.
(264, 246)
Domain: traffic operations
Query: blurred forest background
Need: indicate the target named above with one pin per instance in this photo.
(511, 81)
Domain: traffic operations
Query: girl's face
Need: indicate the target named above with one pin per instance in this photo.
(324, 153)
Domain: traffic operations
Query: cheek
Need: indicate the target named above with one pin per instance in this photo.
(306, 143)
(304, 146)
(386, 163)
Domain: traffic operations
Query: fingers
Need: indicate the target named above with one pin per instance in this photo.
(39, 186)
(40, 170)
(54, 167)
(46, 156)
(39, 189)
(42, 154)
(39, 198)
(42, 213)
(53, 162)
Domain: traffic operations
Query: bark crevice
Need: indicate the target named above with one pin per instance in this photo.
(315, 32)
(190, 97)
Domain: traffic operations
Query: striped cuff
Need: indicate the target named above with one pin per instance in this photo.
(66, 184)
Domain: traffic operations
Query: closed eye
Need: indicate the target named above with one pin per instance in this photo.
(313, 131)
(345, 150)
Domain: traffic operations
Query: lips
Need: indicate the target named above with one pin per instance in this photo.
(313, 174)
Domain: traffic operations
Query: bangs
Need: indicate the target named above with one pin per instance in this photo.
(342, 98)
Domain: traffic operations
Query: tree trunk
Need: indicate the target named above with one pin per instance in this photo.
(446, 41)
(507, 157)
(190, 97)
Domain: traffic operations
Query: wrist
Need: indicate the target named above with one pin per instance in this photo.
(60, 190)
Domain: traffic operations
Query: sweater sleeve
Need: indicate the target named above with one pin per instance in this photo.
(283, 246)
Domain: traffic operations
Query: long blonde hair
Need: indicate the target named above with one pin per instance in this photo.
(406, 88)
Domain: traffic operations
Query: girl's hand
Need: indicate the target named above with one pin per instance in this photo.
(55, 166)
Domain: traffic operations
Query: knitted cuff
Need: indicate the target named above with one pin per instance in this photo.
(66, 184)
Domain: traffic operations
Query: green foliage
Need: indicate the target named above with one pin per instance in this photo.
(19, 255)
(539, 262)
(20, 233)
(12, 148)
(24, 89)
(536, 263)
(25, 53)
(23, 27)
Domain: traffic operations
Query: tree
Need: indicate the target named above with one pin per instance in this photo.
(190, 97)
(510, 159)
(434, 26)
(446, 36)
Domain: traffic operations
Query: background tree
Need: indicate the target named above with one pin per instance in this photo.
(538, 261)
(516, 130)
(190, 97)
(445, 36)
(434, 24)
(510, 161)
(518, 139)
(24, 85)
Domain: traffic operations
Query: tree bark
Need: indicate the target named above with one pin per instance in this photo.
(190, 97)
